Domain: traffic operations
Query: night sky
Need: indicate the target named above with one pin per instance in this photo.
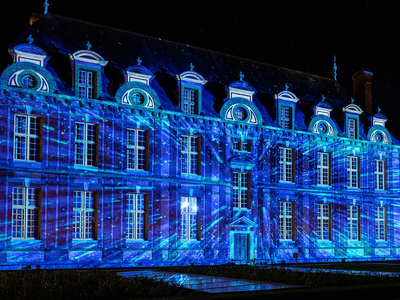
(305, 37)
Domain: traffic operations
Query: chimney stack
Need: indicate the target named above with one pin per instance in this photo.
(362, 89)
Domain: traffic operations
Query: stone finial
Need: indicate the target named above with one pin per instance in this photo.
(46, 7)
(88, 45)
(323, 97)
(139, 61)
(241, 75)
(379, 109)
(286, 86)
(352, 100)
(191, 67)
(30, 39)
(334, 68)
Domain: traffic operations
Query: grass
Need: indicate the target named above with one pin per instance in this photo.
(82, 284)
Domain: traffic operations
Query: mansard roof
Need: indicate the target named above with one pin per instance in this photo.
(61, 35)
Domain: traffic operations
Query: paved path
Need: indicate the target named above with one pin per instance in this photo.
(210, 284)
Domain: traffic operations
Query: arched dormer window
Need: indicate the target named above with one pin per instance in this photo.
(87, 69)
(378, 133)
(321, 123)
(28, 53)
(352, 120)
(191, 85)
(286, 107)
(138, 73)
(135, 93)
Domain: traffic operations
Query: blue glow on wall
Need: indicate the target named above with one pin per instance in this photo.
(153, 161)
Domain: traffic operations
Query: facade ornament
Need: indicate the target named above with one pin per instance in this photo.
(323, 97)
(191, 67)
(88, 45)
(334, 68)
(30, 39)
(287, 86)
(379, 109)
(352, 100)
(46, 7)
(241, 75)
(139, 61)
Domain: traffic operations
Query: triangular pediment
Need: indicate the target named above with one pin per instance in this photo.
(243, 222)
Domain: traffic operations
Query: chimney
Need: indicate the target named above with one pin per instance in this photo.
(362, 89)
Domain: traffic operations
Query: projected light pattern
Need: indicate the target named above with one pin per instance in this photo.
(174, 169)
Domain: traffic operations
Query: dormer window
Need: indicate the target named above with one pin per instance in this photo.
(286, 105)
(85, 85)
(190, 101)
(352, 128)
(28, 81)
(352, 112)
(137, 98)
(191, 86)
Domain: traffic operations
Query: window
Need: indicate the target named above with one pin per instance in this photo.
(324, 168)
(380, 174)
(241, 190)
(189, 101)
(27, 138)
(84, 215)
(286, 117)
(286, 164)
(353, 171)
(244, 146)
(324, 217)
(352, 128)
(190, 219)
(137, 149)
(353, 218)
(86, 144)
(286, 225)
(85, 84)
(136, 217)
(380, 223)
(25, 212)
(190, 157)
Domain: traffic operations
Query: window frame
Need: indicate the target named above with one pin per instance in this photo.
(241, 146)
(86, 142)
(353, 171)
(88, 88)
(324, 222)
(241, 192)
(33, 142)
(25, 216)
(352, 128)
(380, 175)
(286, 168)
(86, 227)
(190, 219)
(133, 152)
(286, 116)
(190, 106)
(137, 213)
(380, 223)
(286, 221)
(354, 227)
(193, 157)
(324, 174)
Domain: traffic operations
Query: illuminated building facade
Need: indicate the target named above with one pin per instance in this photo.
(118, 149)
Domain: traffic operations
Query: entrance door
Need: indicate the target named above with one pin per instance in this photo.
(241, 246)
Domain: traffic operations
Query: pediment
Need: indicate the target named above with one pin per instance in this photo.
(243, 222)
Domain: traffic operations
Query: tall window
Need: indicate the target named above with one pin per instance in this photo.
(352, 128)
(380, 223)
(27, 138)
(286, 117)
(353, 220)
(324, 222)
(25, 212)
(86, 144)
(85, 84)
(286, 224)
(190, 219)
(190, 155)
(136, 217)
(241, 190)
(380, 174)
(137, 149)
(353, 171)
(324, 168)
(286, 164)
(84, 212)
(189, 101)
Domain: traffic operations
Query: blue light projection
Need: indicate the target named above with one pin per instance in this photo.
(110, 170)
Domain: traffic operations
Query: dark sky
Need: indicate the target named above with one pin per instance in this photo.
(362, 34)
